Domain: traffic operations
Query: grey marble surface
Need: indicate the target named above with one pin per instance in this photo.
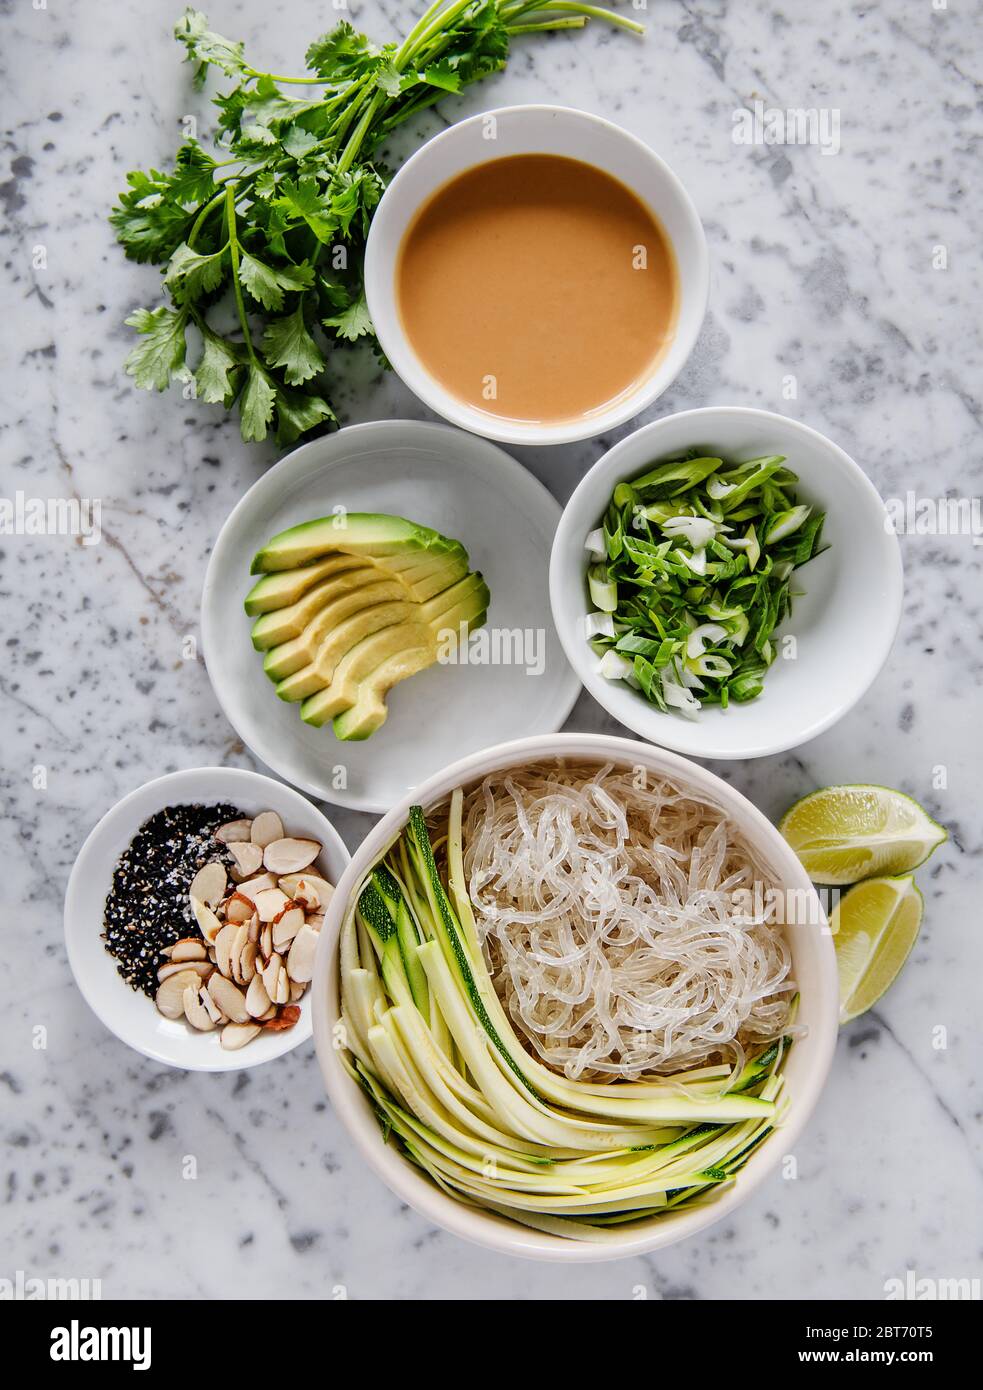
(822, 269)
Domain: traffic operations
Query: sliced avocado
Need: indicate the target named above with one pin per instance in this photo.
(300, 651)
(282, 624)
(359, 662)
(318, 673)
(432, 576)
(369, 711)
(354, 533)
(315, 676)
(277, 590)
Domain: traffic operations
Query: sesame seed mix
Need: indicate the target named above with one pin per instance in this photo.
(148, 906)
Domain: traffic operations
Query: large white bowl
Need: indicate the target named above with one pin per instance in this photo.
(558, 130)
(844, 622)
(814, 966)
(129, 1013)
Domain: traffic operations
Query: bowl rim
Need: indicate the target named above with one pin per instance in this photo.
(483, 1228)
(379, 269)
(166, 789)
(679, 734)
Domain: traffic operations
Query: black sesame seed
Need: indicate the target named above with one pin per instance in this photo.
(148, 906)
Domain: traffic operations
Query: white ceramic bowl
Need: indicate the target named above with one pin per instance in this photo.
(844, 623)
(814, 966)
(128, 1013)
(558, 130)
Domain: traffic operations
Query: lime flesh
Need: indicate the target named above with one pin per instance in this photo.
(874, 927)
(844, 834)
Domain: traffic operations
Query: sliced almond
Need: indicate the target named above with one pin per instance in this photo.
(251, 886)
(229, 999)
(208, 884)
(270, 904)
(239, 908)
(296, 991)
(211, 1008)
(303, 885)
(271, 1012)
(276, 980)
(236, 1035)
(266, 828)
(266, 941)
(188, 948)
(287, 924)
(316, 921)
(254, 928)
(195, 1011)
(248, 857)
(300, 961)
(246, 963)
(208, 923)
(202, 968)
(257, 999)
(290, 856)
(170, 997)
(234, 830)
(286, 1018)
(223, 947)
(240, 940)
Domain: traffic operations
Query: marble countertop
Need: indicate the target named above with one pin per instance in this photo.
(857, 273)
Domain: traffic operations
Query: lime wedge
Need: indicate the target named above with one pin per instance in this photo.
(844, 834)
(874, 928)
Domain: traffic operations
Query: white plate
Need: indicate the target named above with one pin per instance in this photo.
(465, 488)
(129, 1013)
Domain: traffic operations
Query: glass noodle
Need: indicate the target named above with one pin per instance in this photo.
(627, 923)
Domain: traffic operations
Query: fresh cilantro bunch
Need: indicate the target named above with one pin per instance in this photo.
(267, 230)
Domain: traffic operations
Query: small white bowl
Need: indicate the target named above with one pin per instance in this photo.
(558, 130)
(129, 1013)
(844, 622)
(813, 964)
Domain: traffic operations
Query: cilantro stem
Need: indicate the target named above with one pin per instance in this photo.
(230, 212)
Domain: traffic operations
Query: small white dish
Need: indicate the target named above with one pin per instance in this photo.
(129, 1013)
(813, 965)
(469, 490)
(558, 130)
(844, 622)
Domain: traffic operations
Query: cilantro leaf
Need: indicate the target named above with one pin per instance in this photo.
(288, 344)
(161, 349)
(191, 274)
(256, 406)
(205, 46)
(303, 200)
(266, 283)
(214, 374)
(341, 54)
(353, 322)
(296, 413)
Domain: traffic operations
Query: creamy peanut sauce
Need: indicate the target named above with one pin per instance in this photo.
(537, 288)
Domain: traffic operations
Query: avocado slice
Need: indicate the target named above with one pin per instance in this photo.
(359, 662)
(270, 629)
(354, 533)
(362, 667)
(278, 590)
(370, 711)
(315, 676)
(300, 651)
